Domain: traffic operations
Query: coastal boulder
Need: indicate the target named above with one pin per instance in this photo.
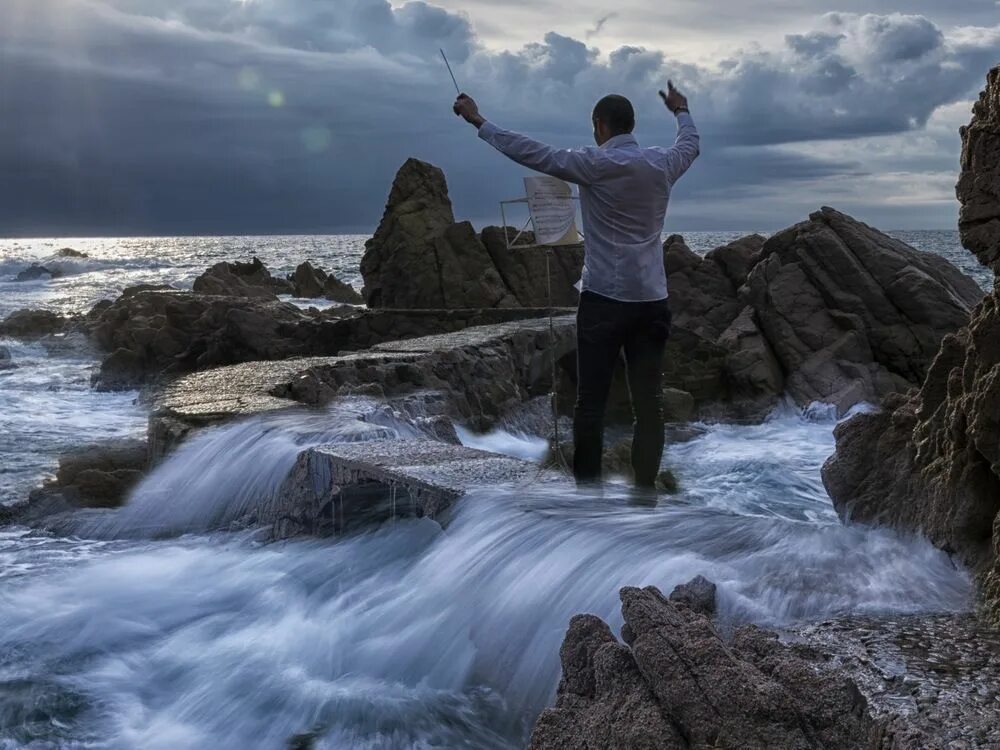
(852, 314)
(930, 461)
(239, 280)
(32, 324)
(153, 334)
(677, 683)
(309, 282)
(95, 476)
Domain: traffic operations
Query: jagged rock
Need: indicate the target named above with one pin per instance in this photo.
(421, 258)
(678, 684)
(36, 271)
(400, 266)
(309, 282)
(930, 461)
(68, 252)
(702, 295)
(753, 374)
(6, 360)
(738, 258)
(32, 324)
(523, 269)
(979, 183)
(698, 595)
(238, 280)
(153, 334)
(851, 314)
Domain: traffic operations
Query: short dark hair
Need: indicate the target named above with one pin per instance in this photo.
(616, 112)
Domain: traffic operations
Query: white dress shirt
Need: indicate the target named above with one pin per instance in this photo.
(624, 191)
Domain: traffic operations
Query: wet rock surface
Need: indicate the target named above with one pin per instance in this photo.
(932, 681)
(477, 373)
(930, 462)
(677, 683)
(334, 487)
(94, 476)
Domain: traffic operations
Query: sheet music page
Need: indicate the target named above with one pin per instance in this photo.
(553, 210)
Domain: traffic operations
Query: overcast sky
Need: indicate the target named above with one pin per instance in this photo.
(287, 116)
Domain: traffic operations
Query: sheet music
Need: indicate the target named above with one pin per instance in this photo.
(553, 210)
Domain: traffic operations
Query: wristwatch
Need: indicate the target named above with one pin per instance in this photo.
(681, 109)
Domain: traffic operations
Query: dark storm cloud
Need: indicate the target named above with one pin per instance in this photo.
(292, 115)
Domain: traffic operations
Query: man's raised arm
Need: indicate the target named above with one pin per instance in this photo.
(574, 166)
(687, 146)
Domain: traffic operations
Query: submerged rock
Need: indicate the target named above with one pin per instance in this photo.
(68, 252)
(6, 360)
(36, 271)
(95, 476)
(32, 324)
(678, 684)
(930, 462)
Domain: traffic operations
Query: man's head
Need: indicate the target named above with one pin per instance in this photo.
(613, 115)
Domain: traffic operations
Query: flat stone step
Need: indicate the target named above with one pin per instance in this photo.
(336, 486)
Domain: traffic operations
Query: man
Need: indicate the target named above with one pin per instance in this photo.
(624, 190)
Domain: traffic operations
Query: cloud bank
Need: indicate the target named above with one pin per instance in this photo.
(260, 116)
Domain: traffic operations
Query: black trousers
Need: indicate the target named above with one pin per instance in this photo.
(604, 329)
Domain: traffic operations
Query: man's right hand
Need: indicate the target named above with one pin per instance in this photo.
(673, 98)
(466, 107)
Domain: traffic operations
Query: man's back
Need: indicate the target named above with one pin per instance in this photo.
(624, 192)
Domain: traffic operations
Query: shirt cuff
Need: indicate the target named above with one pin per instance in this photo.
(684, 118)
(487, 130)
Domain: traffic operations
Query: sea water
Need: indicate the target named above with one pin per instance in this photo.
(161, 631)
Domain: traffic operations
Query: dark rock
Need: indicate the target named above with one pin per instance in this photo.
(698, 595)
(36, 271)
(131, 291)
(421, 258)
(738, 258)
(604, 701)
(400, 267)
(237, 280)
(930, 462)
(32, 324)
(95, 476)
(979, 183)
(336, 290)
(851, 314)
(530, 273)
(309, 281)
(68, 252)
(680, 685)
(678, 405)
(6, 360)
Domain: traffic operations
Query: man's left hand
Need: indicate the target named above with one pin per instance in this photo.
(466, 107)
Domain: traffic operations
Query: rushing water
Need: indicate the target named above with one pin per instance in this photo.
(160, 631)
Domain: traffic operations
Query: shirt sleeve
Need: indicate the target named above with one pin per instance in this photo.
(685, 150)
(578, 166)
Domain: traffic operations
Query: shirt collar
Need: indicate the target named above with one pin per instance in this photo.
(625, 139)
